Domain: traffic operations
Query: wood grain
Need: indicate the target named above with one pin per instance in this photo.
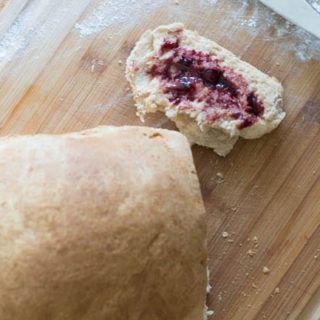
(269, 198)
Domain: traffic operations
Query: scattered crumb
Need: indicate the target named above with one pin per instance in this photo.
(277, 290)
(92, 68)
(120, 62)
(225, 234)
(210, 313)
(247, 274)
(128, 89)
(266, 270)
(230, 240)
(220, 296)
(234, 209)
(316, 257)
(220, 175)
(240, 244)
(251, 253)
(176, 2)
(254, 285)
(255, 239)
(249, 305)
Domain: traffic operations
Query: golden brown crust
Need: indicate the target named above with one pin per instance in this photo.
(103, 224)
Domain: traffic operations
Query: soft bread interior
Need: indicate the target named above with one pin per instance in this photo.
(222, 134)
(219, 141)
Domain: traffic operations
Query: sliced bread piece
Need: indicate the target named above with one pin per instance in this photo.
(211, 95)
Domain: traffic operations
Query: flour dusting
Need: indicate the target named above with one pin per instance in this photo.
(18, 35)
(111, 12)
(250, 15)
(258, 19)
(32, 24)
(212, 2)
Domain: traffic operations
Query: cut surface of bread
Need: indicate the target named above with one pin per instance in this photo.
(106, 223)
(211, 95)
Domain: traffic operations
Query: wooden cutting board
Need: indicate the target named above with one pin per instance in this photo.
(266, 197)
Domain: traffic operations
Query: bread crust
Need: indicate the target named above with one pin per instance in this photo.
(106, 223)
(149, 96)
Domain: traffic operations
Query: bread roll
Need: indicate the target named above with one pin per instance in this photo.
(102, 224)
(213, 97)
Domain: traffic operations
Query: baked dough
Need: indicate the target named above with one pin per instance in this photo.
(102, 224)
(211, 95)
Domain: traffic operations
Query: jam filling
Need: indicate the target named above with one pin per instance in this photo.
(196, 81)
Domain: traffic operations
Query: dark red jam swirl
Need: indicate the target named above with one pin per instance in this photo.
(193, 76)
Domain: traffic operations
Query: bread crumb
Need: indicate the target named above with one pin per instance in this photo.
(176, 2)
(230, 240)
(255, 239)
(225, 234)
(254, 285)
(120, 62)
(210, 313)
(92, 68)
(266, 270)
(251, 253)
(220, 175)
(277, 290)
